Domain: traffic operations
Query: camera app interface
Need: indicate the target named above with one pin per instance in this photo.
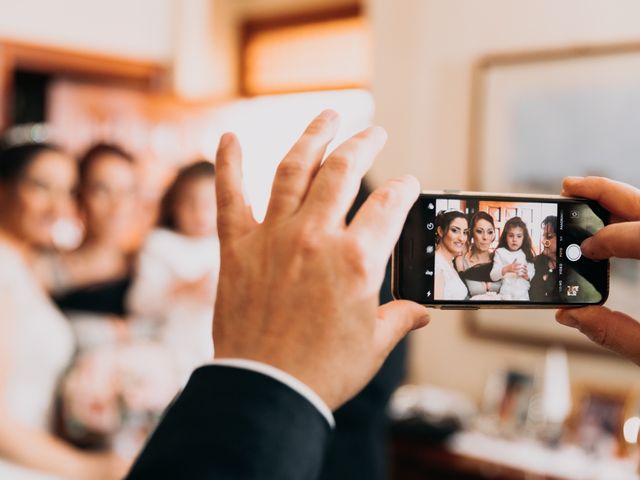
(482, 250)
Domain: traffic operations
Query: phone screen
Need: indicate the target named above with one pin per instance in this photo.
(476, 250)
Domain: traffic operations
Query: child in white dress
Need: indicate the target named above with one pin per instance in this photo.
(513, 261)
(176, 278)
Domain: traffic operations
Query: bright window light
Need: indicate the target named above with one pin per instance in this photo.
(268, 126)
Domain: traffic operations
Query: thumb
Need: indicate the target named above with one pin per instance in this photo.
(615, 240)
(613, 330)
(395, 320)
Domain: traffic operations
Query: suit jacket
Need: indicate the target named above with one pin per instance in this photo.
(231, 423)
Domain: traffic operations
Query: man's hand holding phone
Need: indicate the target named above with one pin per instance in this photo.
(616, 331)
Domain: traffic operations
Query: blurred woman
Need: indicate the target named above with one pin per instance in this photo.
(452, 234)
(96, 276)
(36, 344)
(475, 265)
(90, 283)
(177, 273)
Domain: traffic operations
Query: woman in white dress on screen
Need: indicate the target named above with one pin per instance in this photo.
(36, 343)
(452, 234)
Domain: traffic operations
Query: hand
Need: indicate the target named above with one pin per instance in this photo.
(524, 272)
(513, 267)
(300, 290)
(613, 330)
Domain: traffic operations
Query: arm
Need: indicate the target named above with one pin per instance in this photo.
(498, 266)
(531, 271)
(282, 435)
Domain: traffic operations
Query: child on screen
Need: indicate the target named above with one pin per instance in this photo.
(513, 261)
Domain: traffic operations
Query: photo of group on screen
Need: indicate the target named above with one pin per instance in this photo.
(490, 251)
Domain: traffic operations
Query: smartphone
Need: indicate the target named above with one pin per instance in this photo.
(470, 250)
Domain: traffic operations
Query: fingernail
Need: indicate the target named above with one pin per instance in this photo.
(225, 140)
(328, 114)
(379, 132)
(566, 318)
(572, 179)
(424, 320)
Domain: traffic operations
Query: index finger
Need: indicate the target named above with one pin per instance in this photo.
(234, 214)
(378, 223)
(621, 199)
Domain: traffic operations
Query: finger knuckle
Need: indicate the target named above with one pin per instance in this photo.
(226, 198)
(384, 196)
(340, 163)
(357, 258)
(293, 166)
(308, 242)
(317, 126)
(598, 333)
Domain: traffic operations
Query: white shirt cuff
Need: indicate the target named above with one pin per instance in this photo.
(282, 377)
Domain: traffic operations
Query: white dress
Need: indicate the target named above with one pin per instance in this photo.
(41, 348)
(168, 258)
(513, 287)
(454, 287)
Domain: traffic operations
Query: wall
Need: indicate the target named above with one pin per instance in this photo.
(424, 52)
(141, 29)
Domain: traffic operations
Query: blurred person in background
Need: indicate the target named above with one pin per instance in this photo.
(177, 271)
(90, 282)
(36, 344)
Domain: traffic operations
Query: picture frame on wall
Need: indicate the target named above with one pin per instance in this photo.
(596, 422)
(536, 117)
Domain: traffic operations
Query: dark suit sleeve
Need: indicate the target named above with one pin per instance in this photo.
(231, 423)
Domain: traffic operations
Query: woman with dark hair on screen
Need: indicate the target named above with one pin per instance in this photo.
(475, 265)
(544, 286)
(452, 233)
(36, 343)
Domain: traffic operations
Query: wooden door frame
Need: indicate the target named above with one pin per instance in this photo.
(77, 64)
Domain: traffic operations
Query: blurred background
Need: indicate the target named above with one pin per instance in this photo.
(497, 95)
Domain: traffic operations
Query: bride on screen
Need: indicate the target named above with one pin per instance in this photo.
(452, 232)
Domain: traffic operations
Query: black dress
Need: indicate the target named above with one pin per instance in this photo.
(544, 284)
(106, 298)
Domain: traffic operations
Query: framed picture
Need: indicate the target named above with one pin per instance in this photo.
(510, 213)
(597, 419)
(538, 116)
(506, 399)
(495, 213)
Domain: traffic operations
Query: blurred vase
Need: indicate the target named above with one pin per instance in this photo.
(556, 394)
